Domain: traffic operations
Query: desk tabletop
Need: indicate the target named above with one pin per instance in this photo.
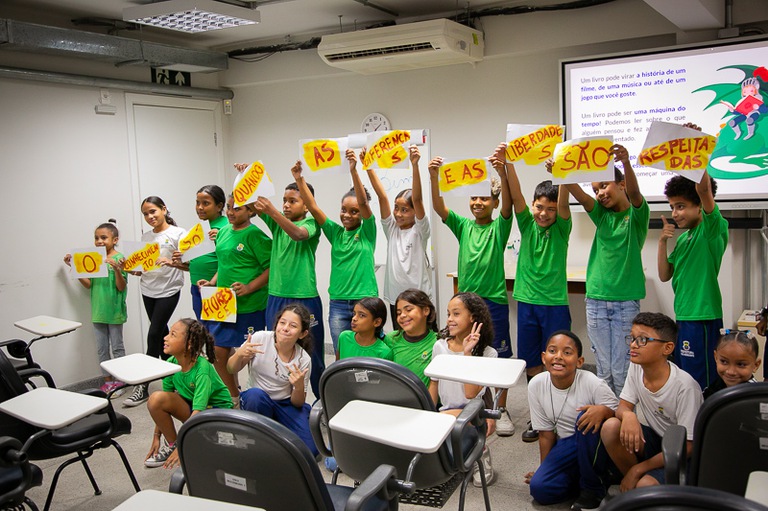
(154, 500)
(47, 326)
(500, 373)
(405, 428)
(139, 368)
(49, 408)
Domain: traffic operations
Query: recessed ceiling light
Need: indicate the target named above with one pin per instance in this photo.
(191, 16)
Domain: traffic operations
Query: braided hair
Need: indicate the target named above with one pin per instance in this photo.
(199, 340)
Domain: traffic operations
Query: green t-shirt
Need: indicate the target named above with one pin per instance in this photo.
(541, 277)
(481, 255)
(352, 267)
(243, 255)
(205, 266)
(349, 348)
(615, 267)
(696, 263)
(416, 356)
(107, 303)
(294, 277)
(201, 385)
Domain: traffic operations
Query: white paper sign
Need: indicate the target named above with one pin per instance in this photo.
(326, 155)
(196, 242)
(89, 263)
(252, 183)
(678, 149)
(582, 160)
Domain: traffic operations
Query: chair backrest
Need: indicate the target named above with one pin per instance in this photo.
(727, 438)
(244, 458)
(679, 498)
(11, 385)
(380, 381)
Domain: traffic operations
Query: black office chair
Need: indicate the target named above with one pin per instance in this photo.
(97, 431)
(382, 381)
(726, 441)
(679, 498)
(17, 475)
(245, 458)
(19, 354)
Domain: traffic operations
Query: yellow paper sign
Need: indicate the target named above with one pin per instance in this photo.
(680, 153)
(322, 154)
(87, 262)
(536, 146)
(591, 155)
(219, 304)
(246, 187)
(193, 238)
(387, 151)
(462, 173)
(145, 257)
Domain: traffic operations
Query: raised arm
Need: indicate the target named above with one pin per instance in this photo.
(506, 197)
(563, 202)
(307, 196)
(438, 204)
(362, 198)
(498, 160)
(378, 188)
(296, 233)
(665, 267)
(586, 201)
(704, 189)
(417, 195)
(633, 188)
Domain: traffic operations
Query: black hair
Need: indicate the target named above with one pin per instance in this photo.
(306, 324)
(406, 195)
(351, 193)
(547, 190)
(572, 336)
(378, 310)
(111, 226)
(617, 175)
(295, 187)
(480, 314)
(199, 340)
(665, 327)
(157, 201)
(217, 194)
(747, 341)
(419, 298)
(679, 186)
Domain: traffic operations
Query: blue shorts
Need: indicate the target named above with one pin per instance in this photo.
(535, 323)
(652, 448)
(695, 347)
(232, 335)
(500, 319)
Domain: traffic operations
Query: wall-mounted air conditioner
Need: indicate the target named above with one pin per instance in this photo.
(401, 47)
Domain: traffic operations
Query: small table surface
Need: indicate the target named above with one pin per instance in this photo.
(49, 408)
(500, 373)
(405, 428)
(757, 487)
(154, 500)
(139, 368)
(47, 326)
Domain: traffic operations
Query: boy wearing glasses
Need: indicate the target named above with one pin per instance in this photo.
(656, 395)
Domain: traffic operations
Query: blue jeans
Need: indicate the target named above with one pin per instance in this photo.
(608, 323)
(295, 419)
(340, 314)
(109, 336)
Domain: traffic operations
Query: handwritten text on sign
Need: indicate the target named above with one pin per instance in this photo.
(465, 178)
(387, 150)
(145, 257)
(89, 262)
(679, 149)
(323, 154)
(219, 304)
(252, 183)
(583, 159)
(532, 143)
(193, 238)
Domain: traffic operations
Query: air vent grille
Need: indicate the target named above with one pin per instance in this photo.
(381, 52)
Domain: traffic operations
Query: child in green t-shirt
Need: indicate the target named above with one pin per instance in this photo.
(482, 242)
(412, 344)
(693, 267)
(108, 308)
(365, 337)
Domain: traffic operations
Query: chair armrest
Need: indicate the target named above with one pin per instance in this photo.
(673, 448)
(382, 483)
(316, 420)
(12, 455)
(178, 481)
(469, 418)
(32, 372)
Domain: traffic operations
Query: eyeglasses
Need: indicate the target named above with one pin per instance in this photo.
(641, 340)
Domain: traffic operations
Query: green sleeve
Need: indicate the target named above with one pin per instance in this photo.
(203, 389)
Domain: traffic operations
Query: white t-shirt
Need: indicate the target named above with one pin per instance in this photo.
(269, 373)
(451, 393)
(407, 264)
(164, 281)
(676, 402)
(553, 409)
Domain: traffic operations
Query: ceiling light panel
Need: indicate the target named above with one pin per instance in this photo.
(191, 16)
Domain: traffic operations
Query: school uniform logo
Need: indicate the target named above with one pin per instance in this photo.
(240, 247)
(426, 354)
(312, 321)
(686, 351)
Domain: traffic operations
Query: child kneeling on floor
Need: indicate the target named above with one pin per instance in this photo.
(568, 407)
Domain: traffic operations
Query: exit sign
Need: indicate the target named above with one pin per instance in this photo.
(169, 77)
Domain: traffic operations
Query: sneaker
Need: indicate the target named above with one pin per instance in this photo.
(504, 426)
(140, 394)
(106, 387)
(159, 459)
(530, 435)
(587, 500)
(116, 388)
(330, 464)
(490, 475)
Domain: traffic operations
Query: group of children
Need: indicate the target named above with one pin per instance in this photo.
(275, 283)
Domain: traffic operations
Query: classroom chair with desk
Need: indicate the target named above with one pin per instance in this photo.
(679, 498)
